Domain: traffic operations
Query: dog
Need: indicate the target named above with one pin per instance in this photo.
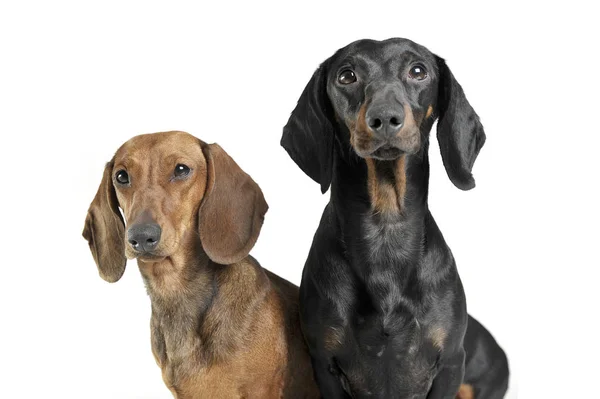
(382, 306)
(221, 326)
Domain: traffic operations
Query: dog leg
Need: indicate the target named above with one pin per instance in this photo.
(329, 379)
(448, 380)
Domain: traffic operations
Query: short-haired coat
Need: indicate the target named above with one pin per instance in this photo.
(221, 326)
(382, 305)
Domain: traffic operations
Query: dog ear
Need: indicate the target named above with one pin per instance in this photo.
(459, 131)
(308, 136)
(232, 211)
(104, 230)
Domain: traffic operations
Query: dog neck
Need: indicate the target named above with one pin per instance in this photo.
(386, 183)
(381, 209)
(199, 308)
(392, 191)
(390, 242)
(181, 288)
(186, 275)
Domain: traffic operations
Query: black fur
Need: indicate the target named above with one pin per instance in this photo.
(377, 288)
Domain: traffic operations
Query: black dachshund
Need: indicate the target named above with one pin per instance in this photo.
(383, 308)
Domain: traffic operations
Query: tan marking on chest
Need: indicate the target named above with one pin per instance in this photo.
(465, 392)
(429, 112)
(437, 335)
(334, 337)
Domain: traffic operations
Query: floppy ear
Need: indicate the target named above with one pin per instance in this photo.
(232, 211)
(104, 230)
(459, 132)
(308, 135)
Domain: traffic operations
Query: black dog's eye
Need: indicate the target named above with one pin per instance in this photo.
(346, 77)
(181, 170)
(417, 72)
(122, 177)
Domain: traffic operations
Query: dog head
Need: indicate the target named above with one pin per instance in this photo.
(381, 98)
(170, 187)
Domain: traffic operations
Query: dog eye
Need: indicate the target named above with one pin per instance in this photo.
(346, 77)
(122, 177)
(181, 170)
(417, 72)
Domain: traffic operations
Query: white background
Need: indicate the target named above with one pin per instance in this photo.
(78, 79)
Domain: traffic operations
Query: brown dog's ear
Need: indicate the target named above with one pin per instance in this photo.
(459, 132)
(104, 230)
(308, 136)
(232, 211)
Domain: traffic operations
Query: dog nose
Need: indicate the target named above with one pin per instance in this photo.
(144, 237)
(385, 120)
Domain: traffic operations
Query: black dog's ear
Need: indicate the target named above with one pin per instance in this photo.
(308, 135)
(459, 132)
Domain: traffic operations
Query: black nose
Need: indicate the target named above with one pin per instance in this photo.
(385, 120)
(144, 237)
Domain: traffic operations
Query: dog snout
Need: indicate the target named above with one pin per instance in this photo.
(384, 119)
(144, 237)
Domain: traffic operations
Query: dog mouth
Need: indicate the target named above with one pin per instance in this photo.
(387, 153)
(146, 257)
(382, 150)
(149, 258)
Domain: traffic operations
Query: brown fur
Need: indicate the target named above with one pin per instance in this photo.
(410, 127)
(360, 134)
(221, 326)
(429, 112)
(387, 184)
(334, 338)
(465, 392)
(437, 335)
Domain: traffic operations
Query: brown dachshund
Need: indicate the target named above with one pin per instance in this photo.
(222, 326)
